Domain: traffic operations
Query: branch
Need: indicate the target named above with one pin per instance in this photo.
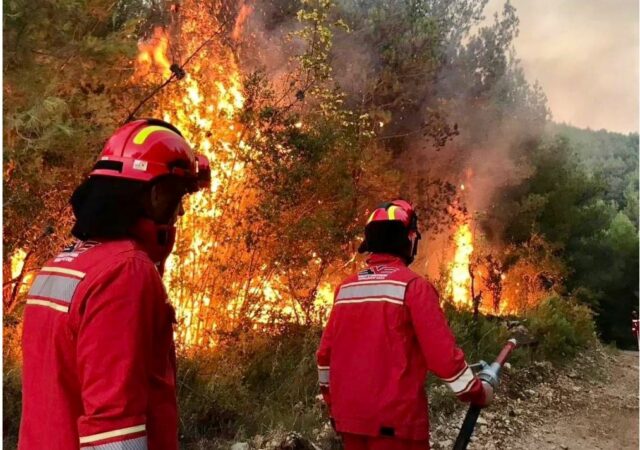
(177, 73)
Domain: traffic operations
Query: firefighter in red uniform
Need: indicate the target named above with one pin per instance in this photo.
(99, 357)
(385, 332)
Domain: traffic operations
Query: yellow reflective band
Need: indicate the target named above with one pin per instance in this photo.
(146, 131)
(33, 301)
(75, 273)
(114, 433)
(392, 213)
(371, 216)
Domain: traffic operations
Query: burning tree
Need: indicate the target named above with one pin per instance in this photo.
(257, 248)
(296, 158)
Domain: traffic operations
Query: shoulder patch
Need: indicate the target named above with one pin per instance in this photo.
(70, 253)
(380, 272)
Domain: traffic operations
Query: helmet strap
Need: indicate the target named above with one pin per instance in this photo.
(156, 240)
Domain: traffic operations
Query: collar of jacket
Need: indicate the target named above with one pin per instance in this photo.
(384, 258)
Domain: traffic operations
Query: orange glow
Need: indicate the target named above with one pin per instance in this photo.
(215, 277)
(17, 261)
(459, 284)
(243, 14)
(152, 54)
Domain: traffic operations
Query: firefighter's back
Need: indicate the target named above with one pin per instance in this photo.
(52, 401)
(377, 369)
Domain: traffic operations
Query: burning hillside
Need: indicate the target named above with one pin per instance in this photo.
(240, 261)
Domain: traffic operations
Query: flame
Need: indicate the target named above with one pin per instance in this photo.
(152, 53)
(212, 276)
(243, 14)
(459, 285)
(17, 263)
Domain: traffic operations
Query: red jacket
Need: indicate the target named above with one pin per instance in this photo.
(99, 357)
(385, 332)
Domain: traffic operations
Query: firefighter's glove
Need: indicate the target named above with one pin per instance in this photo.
(488, 394)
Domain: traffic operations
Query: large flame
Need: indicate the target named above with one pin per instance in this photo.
(214, 276)
(459, 284)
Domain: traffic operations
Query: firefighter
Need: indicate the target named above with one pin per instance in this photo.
(99, 357)
(386, 330)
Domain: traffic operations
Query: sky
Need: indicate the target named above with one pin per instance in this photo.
(584, 54)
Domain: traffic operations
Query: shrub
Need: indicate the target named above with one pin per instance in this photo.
(562, 328)
(11, 403)
(481, 340)
(250, 384)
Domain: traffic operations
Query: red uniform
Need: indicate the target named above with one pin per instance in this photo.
(99, 357)
(385, 332)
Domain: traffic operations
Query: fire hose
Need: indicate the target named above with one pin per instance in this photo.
(489, 374)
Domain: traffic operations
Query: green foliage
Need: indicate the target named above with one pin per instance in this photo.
(251, 384)
(67, 68)
(11, 402)
(562, 329)
(575, 210)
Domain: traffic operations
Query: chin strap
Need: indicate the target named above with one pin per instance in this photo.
(155, 239)
(415, 240)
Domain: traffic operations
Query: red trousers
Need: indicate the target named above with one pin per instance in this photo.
(359, 442)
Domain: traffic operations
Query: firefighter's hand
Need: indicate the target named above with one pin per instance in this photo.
(488, 394)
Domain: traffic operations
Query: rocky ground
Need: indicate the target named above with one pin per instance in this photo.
(590, 405)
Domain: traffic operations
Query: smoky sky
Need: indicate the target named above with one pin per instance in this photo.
(584, 54)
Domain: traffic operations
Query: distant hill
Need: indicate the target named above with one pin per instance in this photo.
(612, 156)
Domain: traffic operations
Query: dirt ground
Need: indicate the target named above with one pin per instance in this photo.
(602, 416)
(590, 405)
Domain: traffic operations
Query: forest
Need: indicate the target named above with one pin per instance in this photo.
(312, 112)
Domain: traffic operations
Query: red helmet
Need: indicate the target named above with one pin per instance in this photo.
(146, 149)
(400, 210)
(383, 234)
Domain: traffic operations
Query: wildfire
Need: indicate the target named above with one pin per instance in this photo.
(153, 54)
(216, 278)
(459, 285)
(17, 263)
(243, 14)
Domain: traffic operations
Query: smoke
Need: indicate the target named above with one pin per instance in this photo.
(585, 56)
(458, 121)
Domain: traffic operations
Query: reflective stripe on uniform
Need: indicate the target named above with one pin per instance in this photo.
(370, 300)
(462, 382)
(74, 273)
(48, 304)
(130, 444)
(55, 287)
(112, 434)
(362, 291)
(323, 375)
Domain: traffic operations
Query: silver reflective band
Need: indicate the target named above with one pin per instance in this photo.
(130, 444)
(461, 383)
(55, 287)
(323, 376)
(370, 300)
(357, 291)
